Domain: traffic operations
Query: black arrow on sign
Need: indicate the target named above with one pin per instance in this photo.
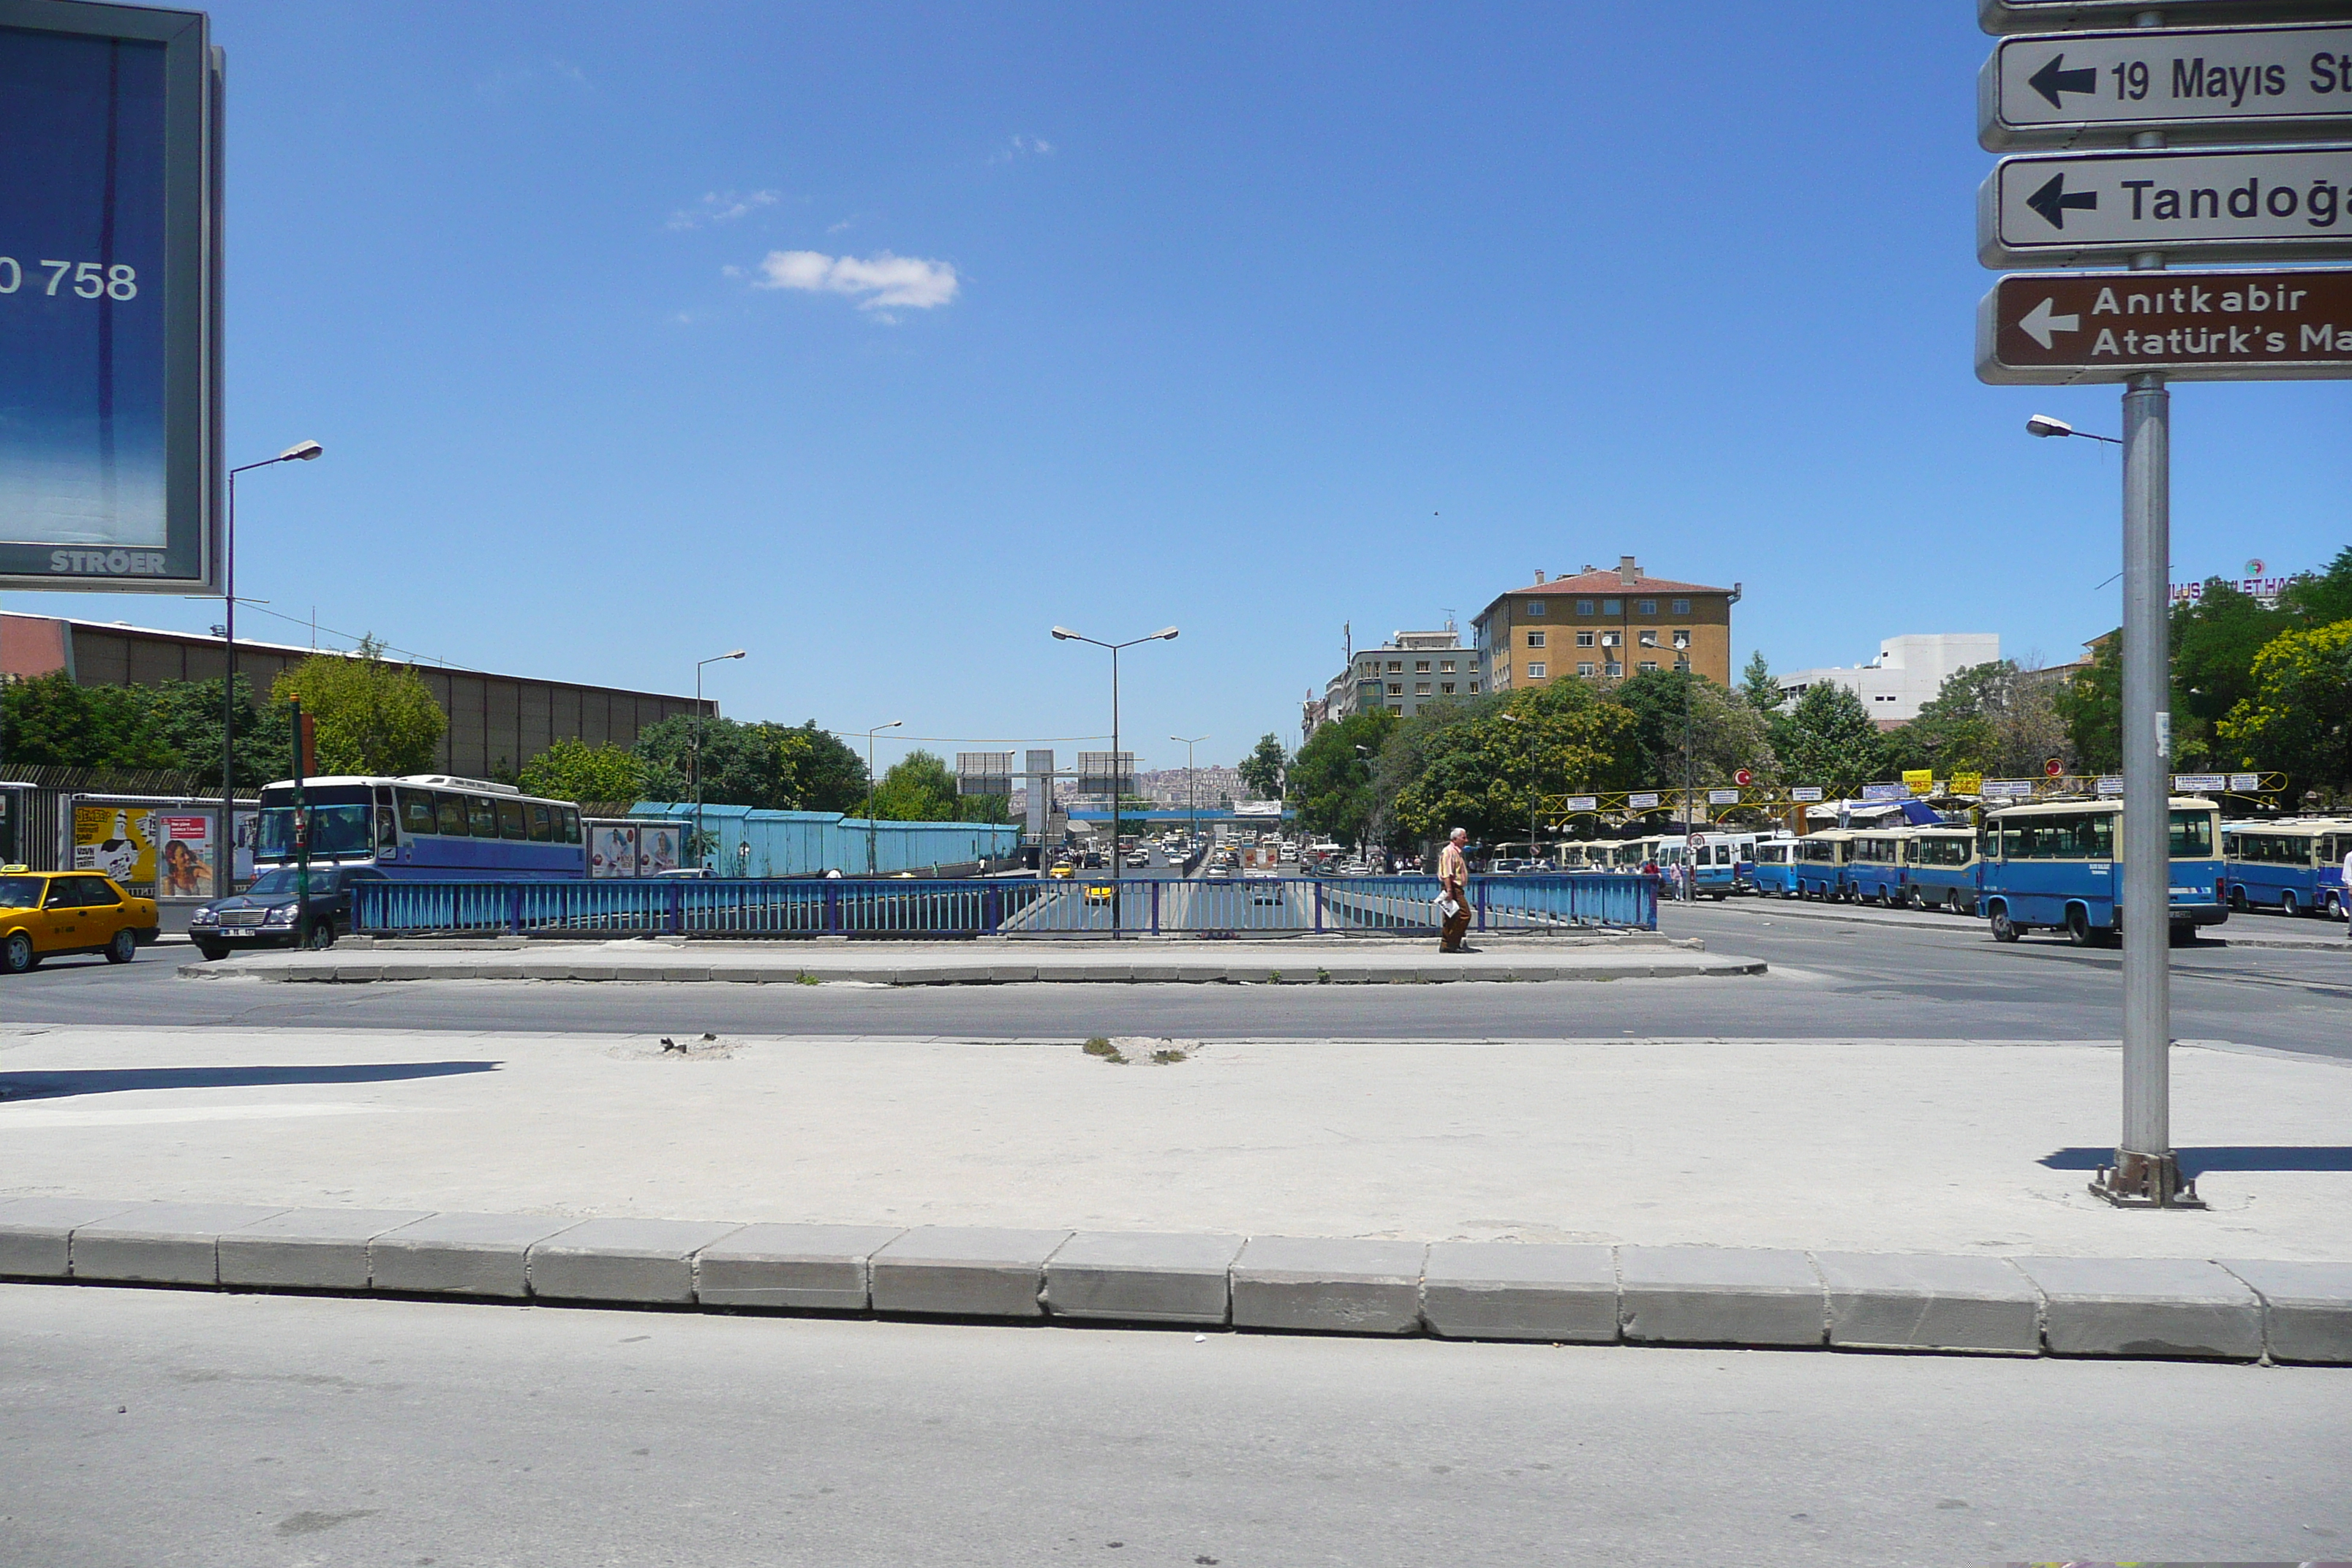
(2054, 78)
(2052, 200)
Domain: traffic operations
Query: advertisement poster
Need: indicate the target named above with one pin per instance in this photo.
(186, 869)
(119, 840)
(659, 849)
(613, 852)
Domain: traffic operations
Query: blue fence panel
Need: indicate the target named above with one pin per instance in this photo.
(1008, 907)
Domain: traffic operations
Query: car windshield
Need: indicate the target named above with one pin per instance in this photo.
(20, 892)
(287, 880)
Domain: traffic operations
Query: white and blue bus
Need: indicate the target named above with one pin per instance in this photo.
(2060, 865)
(2294, 866)
(1775, 872)
(1875, 864)
(1942, 869)
(425, 827)
(1820, 862)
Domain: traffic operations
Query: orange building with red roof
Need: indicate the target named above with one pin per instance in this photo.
(1605, 625)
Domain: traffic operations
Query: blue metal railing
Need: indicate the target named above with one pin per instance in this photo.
(1008, 907)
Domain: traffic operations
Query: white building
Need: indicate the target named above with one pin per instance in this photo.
(1904, 677)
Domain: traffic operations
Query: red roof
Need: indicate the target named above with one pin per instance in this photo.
(1609, 582)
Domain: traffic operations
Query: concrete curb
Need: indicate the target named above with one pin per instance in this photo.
(2164, 1309)
(1307, 969)
(1934, 920)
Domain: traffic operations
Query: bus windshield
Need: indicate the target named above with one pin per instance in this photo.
(2192, 835)
(339, 820)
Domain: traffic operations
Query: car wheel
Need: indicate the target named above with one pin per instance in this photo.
(323, 936)
(2004, 927)
(214, 952)
(16, 954)
(123, 948)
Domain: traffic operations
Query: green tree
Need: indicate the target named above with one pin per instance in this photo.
(776, 766)
(1333, 777)
(2326, 598)
(1481, 765)
(53, 720)
(1261, 769)
(815, 769)
(1996, 719)
(1830, 740)
(2299, 716)
(918, 787)
(1757, 685)
(370, 716)
(2091, 705)
(575, 771)
(1671, 707)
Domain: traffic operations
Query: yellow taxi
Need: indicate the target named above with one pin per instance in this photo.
(46, 914)
(1100, 893)
(1062, 870)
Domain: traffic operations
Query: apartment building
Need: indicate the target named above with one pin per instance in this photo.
(1409, 672)
(1604, 624)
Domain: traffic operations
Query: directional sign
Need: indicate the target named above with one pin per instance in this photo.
(2059, 329)
(2275, 203)
(2214, 84)
(2050, 16)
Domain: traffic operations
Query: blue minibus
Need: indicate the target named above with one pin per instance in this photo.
(1820, 862)
(2294, 866)
(2059, 865)
(1943, 869)
(1874, 866)
(425, 826)
(1775, 870)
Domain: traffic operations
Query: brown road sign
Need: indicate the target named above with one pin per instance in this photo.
(2058, 329)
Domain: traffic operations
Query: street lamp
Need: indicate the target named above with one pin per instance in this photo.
(1064, 633)
(869, 790)
(1528, 725)
(2043, 424)
(225, 868)
(701, 728)
(1192, 802)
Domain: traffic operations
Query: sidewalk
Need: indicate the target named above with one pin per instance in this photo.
(1724, 1178)
(2243, 929)
(1634, 955)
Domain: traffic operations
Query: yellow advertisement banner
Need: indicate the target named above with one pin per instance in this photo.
(119, 840)
(1920, 781)
(1967, 784)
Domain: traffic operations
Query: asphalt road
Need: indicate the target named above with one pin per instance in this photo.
(146, 1427)
(1932, 979)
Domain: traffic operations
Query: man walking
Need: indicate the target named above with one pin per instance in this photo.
(1453, 885)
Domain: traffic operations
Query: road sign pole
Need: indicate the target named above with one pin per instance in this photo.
(2145, 1171)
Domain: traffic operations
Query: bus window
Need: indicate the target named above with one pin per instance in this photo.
(450, 811)
(514, 821)
(416, 811)
(543, 827)
(570, 824)
(482, 812)
(2192, 835)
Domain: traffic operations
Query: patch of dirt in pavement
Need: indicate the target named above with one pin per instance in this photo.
(705, 1047)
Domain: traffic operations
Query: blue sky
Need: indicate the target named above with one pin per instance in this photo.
(877, 338)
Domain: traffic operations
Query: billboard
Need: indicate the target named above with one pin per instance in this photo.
(109, 298)
(120, 840)
(624, 849)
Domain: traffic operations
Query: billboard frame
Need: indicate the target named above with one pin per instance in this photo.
(194, 84)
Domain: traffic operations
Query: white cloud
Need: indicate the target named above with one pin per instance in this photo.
(877, 282)
(1020, 147)
(721, 207)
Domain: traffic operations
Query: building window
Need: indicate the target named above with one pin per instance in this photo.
(1648, 636)
(1614, 668)
(1397, 709)
(1474, 689)
(1648, 665)
(1446, 687)
(1612, 606)
(1535, 640)
(1396, 667)
(1535, 606)
(1681, 606)
(1682, 638)
(1585, 668)
(1646, 607)
(1396, 688)
(1584, 606)
(1420, 688)
(1421, 667)
(1445, 665)
(1535, 672)
(1584, 639)
(1610, 639)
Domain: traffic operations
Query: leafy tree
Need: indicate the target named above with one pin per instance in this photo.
(1469, 765)
(1672, 706)
(1333, 778)
(2326, 599)
(2091, 705)
(777, 766)
(52, 720)
(575, 771)
(2214, 640)
(370, 716)
(815, 769)
(1261, 769)
(918, 787)
(1757, 685)
(1830, 739)
(2299, 717)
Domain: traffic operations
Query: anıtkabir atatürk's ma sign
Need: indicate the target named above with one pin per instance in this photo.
(2055, 329)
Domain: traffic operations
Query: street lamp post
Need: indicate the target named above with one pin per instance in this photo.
(225, 866)
(1064, 633)
(1528, 726)
(2146, 1172)
(869, 790)
(701, 731)
(1192, 800)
